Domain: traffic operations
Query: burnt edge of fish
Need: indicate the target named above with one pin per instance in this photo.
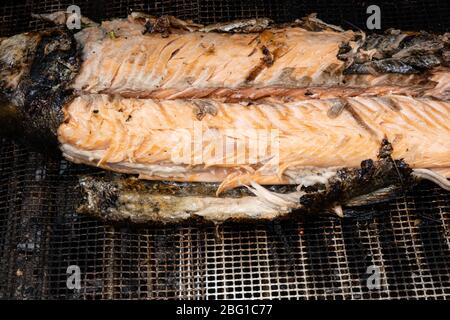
(165, 23)
(118, 198)
(36, 69)
(395, 52)
(372, 175)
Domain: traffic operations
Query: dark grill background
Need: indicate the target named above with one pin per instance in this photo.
(41, 235)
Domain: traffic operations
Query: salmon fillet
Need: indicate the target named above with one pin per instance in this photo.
(231, 143)
(288, 63)
(137, 63)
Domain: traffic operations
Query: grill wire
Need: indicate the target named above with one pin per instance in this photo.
(322, 258)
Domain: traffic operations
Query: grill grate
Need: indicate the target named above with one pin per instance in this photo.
(40, 235)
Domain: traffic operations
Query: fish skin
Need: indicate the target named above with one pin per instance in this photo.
(239, 26)
(114, 133)
(396, 52)
(16, 57)
(35, 70)
(114, 201)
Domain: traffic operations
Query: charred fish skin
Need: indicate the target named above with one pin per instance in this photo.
(35, 84)
(120, 198)
(117, 200)
(350, 183)
(395, 52)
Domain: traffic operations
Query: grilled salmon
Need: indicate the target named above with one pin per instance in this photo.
(287, 62)
(306, 116)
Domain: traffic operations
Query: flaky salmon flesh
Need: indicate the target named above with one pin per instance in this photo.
(287, 63)
(231, 143)
(256, 119)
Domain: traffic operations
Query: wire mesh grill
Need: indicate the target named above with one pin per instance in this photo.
(324, 258)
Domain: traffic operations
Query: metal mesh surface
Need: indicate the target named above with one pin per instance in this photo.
(40, 234)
